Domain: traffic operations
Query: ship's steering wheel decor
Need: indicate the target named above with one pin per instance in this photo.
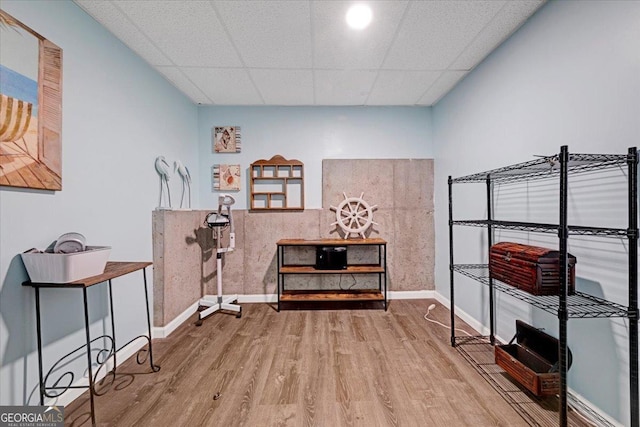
(354, 215)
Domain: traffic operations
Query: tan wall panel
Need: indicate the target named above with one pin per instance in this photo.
(403, 191)
(181, 246)
(263, 230)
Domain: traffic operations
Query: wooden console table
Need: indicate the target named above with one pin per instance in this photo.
(111, 271)
(333, 295)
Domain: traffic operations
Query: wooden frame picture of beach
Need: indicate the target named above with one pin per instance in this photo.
(30, 108)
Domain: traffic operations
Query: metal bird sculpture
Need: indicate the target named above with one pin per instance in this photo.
(163, 168)
(186, 181)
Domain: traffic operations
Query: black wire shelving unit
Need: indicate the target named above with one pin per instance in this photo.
(566, 306)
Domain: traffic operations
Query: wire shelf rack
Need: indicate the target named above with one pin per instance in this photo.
(546, 167)
(579, 305)
(574, 230)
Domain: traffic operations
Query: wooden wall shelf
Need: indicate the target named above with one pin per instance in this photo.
(277, 184)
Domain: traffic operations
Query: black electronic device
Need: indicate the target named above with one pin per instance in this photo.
(331, 257)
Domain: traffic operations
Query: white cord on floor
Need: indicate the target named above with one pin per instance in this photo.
(426, 317)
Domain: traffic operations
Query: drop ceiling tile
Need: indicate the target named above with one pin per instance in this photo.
(337, 46)
(269, 34)
(225, 86)
(110, 17)
(179, 80)
(349, 87)
(188, 32)
(284, 87)
(286, 52)
(401, 87)
(508, 20)
(435, 33)
(444, 84)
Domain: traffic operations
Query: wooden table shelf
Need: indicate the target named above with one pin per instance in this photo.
(332, 295)
(353, 269)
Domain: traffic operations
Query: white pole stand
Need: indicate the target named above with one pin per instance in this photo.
(220, 221)
(218, 302)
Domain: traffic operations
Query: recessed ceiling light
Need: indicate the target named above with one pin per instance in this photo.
(359, 16)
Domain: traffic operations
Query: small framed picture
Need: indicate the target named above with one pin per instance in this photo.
(226, 139)
(226, 177)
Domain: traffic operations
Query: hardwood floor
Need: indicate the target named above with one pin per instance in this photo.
(303, 368)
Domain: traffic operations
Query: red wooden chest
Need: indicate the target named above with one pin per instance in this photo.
(531, 268)
(533, 360)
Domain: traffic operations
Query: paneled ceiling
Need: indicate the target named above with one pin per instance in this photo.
(301, 52)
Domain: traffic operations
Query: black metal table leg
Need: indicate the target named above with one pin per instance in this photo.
(385, 277)
(280, 277)
(88, 337)
(154, 368)
(39, 333)
(113, 329)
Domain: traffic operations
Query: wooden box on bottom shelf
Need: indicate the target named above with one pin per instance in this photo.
(532, 361)
(332, 295)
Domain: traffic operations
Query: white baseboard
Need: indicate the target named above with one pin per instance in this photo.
(165, 331)
(469, 320)
(442, 300)
(411, 294)
(258, 298)
(595, 414)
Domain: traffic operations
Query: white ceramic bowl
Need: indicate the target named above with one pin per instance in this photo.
(70, 243)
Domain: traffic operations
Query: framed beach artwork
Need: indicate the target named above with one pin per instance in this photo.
(226, 139)
(226, 177)
(30, 108)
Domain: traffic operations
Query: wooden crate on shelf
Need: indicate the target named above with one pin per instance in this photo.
(531, 268)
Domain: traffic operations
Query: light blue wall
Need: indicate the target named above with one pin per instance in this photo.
(311, 134)
(118, 115)
(570, 76)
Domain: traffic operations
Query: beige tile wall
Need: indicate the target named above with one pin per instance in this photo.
(184, 252)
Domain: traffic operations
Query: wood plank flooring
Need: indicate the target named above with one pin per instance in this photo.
(304, 368)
